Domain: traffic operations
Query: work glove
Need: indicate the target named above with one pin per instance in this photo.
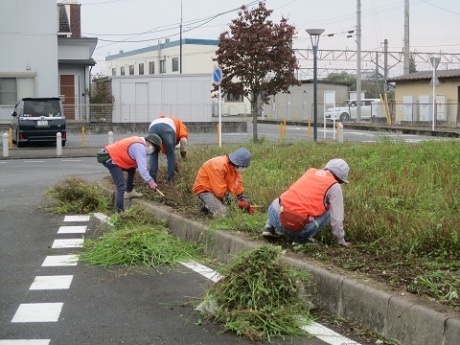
(183, 154)
(153, 185)
(246, 206)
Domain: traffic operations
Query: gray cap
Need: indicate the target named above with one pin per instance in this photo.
(339, 168)
(241, 157)
(154, 139)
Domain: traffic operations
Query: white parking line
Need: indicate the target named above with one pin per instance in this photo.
(25, 342)
(75, 229)
(68, 243)
(323, 333)
(60, 260)
(77, 218)
(51, 282)
(38, 312)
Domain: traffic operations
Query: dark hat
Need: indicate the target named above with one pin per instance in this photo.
(154, 139)
(241, 157)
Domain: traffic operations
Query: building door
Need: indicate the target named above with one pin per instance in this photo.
(68, 91)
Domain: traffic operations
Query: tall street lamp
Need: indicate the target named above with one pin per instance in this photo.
(314, 36)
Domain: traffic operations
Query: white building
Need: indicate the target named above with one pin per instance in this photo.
(173, 58)
(43, 55)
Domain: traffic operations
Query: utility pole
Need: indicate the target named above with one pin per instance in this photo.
(385, 65)
(358, 61)
(406, 36)
(180, 39)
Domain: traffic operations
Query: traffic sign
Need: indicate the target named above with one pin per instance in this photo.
(217, 76)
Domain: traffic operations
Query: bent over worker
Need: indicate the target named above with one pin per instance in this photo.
(309, 204)
(127, 155)
(218, 178)
(172, 132)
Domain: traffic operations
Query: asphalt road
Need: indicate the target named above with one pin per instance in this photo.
(100, 306)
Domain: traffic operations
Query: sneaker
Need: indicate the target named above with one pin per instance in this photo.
(306, 242)
(132, 194)
(269, 231)
(204, 210)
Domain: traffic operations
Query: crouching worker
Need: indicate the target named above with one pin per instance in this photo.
(218, 178)
(127, 155)
(309, 204)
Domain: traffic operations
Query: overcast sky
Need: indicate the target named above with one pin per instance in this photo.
(132, 24)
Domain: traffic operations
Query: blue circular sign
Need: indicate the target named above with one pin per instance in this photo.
(217, 76)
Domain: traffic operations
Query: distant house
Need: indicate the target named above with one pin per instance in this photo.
(414, 98)
(44, 55)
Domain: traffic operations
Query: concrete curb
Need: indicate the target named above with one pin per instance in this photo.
(397, 316)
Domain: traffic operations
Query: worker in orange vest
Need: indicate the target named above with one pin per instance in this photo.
(172, 132)
(218, 178)
(126, 155)
(309, 204)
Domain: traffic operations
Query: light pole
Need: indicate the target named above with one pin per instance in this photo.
(314, 36)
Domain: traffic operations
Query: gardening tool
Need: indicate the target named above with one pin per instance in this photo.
(159, 192)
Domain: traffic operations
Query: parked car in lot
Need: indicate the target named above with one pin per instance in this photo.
(38, 120)
(371, 108)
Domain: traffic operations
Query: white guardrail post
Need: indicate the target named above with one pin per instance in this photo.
(5, 145)
(58, 144)
(110, 138)
(340, 132)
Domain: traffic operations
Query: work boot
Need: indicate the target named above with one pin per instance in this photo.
(132, 194)
(204, 210)
(269, 231)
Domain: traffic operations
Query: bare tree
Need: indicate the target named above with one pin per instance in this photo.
(256, 58)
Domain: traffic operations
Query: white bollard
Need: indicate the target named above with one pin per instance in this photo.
(110, 139)
(5, 145)
(58, 144)
(340, 132)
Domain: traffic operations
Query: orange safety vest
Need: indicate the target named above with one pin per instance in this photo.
(181, 130)
(119, 154)
(306, 196)
(218, 176)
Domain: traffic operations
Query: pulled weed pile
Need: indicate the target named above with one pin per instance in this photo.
(260, 297)
(136, 240)
(75, 195)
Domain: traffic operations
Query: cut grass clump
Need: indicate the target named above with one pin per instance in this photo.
(137, 244)
(260, 297)
(75, 195)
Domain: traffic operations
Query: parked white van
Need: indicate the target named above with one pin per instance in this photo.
(371, 108)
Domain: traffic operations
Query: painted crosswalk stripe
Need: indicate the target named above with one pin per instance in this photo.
(51, 282)
(68, 243)
(61, 260)
(76, 218)
(25, 342)
(75, 229)
(38, 312)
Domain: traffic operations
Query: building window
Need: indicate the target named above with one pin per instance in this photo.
(131, 69)
(163, 66)
(229, 97)
(175, 64)
(151, 67)
(114, 72)
(141, 69)
(8, 91)
(122, 70)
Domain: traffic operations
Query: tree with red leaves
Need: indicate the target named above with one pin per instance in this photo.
(256, 58)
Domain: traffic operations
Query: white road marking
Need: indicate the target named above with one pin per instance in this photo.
(68, 243)
(31, 161)
(60, 260)
(38, 312)
(102, 217)
(76, 229)
(203, 270)
(51, 282)
(2, 162)
(71, 160)
(25, 342)
(77, 218)
(323, 333)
